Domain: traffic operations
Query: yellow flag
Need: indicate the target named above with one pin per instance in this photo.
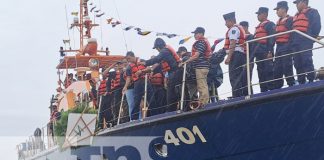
(74, 13)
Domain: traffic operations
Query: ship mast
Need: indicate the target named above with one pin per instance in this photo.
(88, 45)
(81, 23)
(84, 25)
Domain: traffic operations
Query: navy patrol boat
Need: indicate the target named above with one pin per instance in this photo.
(285, 123)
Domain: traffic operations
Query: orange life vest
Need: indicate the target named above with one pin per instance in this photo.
(242, 37)
(102, 87)
(157, 79)
(165, 65)
(208, 51)
(300, 21)
(136, 68)
(116, 82)
(281, 27)
(260, 32)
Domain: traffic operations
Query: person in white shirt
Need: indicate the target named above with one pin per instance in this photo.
(235, 49)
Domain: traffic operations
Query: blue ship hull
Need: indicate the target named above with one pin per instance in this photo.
(283, 124)
(286, 124)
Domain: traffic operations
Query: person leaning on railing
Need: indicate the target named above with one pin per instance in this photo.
(306, 20)
(200, 55)
(156, 78)
(134, 72)
(169, 60)
(191, 82)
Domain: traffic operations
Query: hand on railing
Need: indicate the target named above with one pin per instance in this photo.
(124, 90)
(181, 64)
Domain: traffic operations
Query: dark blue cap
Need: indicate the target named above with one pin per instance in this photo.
(182, 49)
(199, 30)
(229, 16)
(244, 24)
(262, 10)
(282, 4)
(159, 43)
(297, 1)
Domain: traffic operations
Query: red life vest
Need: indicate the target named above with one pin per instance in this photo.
(281, 27)
(208, 51)
(300, 21)
(112, 87)
(260, 32)
(103, 87)
(157, 79)
(165, 65)
(136, 68)
(116, 82)
(242, 37)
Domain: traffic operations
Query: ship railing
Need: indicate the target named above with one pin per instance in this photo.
(36, 144)
(46, 140)
(267, 37)
(247, 68)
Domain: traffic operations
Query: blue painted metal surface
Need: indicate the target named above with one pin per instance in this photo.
(281, 124)
(286, 124)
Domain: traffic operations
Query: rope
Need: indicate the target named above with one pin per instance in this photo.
(124, 36)
(100, 25)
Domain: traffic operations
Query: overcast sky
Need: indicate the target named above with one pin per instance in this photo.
(32, 32)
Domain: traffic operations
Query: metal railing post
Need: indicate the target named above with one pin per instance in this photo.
(43, 139)
(183, 86)
(120, 109)
(27, 148)
(248, 69)
(145, 98)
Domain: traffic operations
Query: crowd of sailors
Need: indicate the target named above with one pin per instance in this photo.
(120, 92)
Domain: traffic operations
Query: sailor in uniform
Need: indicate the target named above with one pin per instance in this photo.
(235, 39)
(308, 21)
(283, 65)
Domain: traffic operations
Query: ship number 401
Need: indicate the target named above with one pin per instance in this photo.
(184, 135)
